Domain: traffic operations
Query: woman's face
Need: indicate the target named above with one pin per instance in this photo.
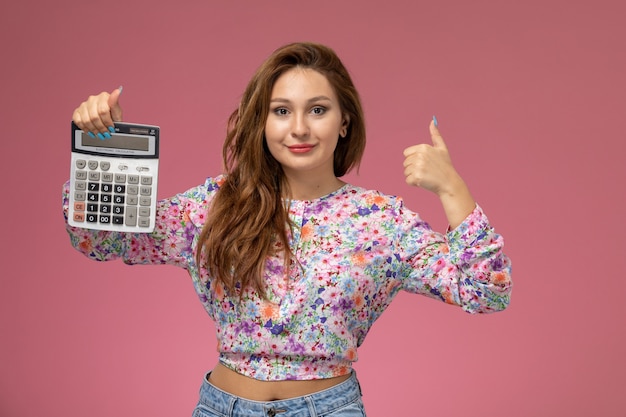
(304, 123)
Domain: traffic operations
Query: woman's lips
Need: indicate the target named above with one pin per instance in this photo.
(300, 148)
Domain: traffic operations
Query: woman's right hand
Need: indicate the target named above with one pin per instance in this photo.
(97, 114)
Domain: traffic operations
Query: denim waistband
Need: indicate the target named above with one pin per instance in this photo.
(319, 403)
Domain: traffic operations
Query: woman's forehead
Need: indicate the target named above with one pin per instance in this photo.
(302, 83)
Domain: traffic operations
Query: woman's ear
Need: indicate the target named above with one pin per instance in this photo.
(343, 132)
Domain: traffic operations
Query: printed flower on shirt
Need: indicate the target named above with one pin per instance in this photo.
(351, 354)
(438, 265)
(306, 232)
(376, 200)
(501, 278)
(359, 259)
(359, 301)
(218, 290)
(85, 246)
(269, 311)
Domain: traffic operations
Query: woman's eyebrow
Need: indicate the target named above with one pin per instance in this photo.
(311, 100)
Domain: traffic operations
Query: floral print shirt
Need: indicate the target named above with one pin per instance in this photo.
(355, 249)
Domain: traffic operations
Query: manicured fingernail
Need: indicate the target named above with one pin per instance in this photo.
(100, 136)
(91, 134)
(106, 135)
(121, 88)
(435, 120)
(111, 129)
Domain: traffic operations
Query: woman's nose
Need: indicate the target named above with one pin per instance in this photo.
(300, 126)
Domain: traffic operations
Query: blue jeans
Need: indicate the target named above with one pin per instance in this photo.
(341, 400)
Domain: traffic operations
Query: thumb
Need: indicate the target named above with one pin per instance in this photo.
(435, 136)
(114, 105)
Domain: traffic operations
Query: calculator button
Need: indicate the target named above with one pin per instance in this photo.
(113, 193)
(131, 216)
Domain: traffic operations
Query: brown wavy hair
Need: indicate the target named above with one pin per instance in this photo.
(248, 217)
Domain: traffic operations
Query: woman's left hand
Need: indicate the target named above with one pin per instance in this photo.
(430, 167)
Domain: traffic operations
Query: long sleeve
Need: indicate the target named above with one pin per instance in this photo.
(465, 267)
(179, 220)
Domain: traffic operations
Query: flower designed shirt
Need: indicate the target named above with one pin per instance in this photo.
(354, 250)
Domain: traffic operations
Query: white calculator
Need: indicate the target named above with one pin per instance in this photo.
(113, 182)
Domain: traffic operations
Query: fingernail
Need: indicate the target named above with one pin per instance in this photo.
(111, 129)
(91, 134)
(100, 136)
(121, 88)
(435, 120)
(106, 135)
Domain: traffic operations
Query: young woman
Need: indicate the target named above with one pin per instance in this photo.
(293, 264)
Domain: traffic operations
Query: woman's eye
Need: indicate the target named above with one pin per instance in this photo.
(318, 110)
(281, 111)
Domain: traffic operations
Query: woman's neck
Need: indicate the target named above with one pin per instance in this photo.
(312, 187)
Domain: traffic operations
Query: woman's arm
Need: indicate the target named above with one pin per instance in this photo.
(467, 267)
(178, 221)
(177, 218)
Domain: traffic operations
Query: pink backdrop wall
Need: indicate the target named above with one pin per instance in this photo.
(530, 98)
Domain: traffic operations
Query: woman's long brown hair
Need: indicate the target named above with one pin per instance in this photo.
(248, 217)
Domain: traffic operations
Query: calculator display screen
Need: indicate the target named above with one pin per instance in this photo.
(118, 141)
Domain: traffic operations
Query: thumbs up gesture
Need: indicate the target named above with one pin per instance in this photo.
(429, 166)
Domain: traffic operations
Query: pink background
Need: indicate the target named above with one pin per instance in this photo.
(530, 98)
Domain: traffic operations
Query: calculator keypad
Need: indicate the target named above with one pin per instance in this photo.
(104, 198)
